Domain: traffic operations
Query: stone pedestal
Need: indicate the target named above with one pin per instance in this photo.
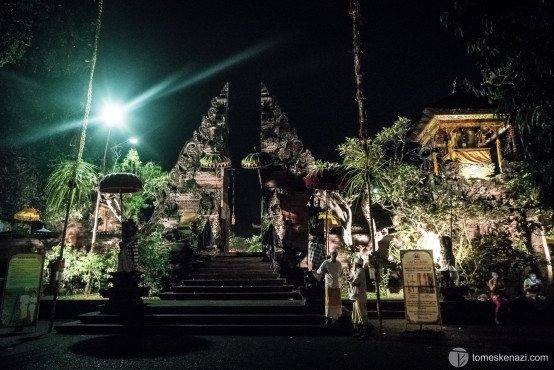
(125, 295)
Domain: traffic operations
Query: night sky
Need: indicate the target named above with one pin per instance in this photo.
(167, 59)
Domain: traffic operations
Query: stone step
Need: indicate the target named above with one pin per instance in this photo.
(212, 319)
(207, 307)
(256, 307)
(239, 255)
(234, 270)
(231, 289)
(247, 260)
(199, 329)
(232, 296)
(233, 282)
(238, 275)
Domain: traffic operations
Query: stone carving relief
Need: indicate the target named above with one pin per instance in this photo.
(279, 139)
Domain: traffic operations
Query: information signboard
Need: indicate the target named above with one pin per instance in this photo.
(22, 290)
(420, 288)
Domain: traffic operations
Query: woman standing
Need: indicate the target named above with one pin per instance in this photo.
(498, 295)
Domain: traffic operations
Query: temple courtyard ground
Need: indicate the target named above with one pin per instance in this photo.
(486, 346)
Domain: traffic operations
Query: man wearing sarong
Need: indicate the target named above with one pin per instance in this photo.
(333, 302)
(360, 320)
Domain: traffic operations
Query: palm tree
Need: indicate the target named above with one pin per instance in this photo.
(81, 175)
(77, 167)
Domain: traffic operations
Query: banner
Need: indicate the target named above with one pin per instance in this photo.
(420, 288)
(22, 290)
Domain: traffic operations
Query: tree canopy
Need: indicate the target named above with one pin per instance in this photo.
(45, 53)
(514, 41)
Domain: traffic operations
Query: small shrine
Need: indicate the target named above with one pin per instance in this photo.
(464, 129)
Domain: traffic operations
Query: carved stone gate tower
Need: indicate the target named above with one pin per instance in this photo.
(200, 194)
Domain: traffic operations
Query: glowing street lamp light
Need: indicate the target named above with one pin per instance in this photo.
(113, 115)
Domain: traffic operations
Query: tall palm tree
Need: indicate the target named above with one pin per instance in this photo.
(79, 159)
(361, 178)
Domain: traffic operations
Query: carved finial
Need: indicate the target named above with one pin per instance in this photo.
(265, 92)
(455, 86)
(224, 94)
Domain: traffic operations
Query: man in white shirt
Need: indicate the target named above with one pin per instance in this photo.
(360, 320)
(333, 302)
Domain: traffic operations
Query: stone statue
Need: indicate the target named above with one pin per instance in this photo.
(127, 259)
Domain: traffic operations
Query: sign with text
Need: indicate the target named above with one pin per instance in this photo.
(22, 290)
(420, 288)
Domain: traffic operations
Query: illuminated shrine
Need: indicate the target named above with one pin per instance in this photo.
(464, 129)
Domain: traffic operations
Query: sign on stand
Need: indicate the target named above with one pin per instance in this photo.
(420, 288)
(22, 291)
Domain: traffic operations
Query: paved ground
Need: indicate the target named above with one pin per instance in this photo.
(397, 349)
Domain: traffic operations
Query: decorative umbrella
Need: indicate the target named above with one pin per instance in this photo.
(27, 215)
(121, 182)
(326, 179)
(256, 160)
(43, 232)
(215, 160)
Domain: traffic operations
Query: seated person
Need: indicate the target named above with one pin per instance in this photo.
(533, 288)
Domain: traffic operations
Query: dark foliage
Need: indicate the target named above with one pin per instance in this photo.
(514, 41)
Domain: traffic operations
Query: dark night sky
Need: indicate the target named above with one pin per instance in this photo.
(172, 57)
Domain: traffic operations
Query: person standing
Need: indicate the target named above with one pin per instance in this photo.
(333, 302)
(498, 295)
(360, 320)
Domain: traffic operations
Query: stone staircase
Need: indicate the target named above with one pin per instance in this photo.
(233, 277)
(230, 295)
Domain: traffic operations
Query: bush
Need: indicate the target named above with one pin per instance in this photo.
(250, 245)
(78, 265)
(154, 262)
(495, 252)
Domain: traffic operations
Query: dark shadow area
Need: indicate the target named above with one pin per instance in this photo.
(24, 338)
(139, 347)
(533, 347)
(427, 335)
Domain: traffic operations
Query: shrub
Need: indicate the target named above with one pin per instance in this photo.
(496, 252)
(78, 264)
(241, 244)
(154, 262)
